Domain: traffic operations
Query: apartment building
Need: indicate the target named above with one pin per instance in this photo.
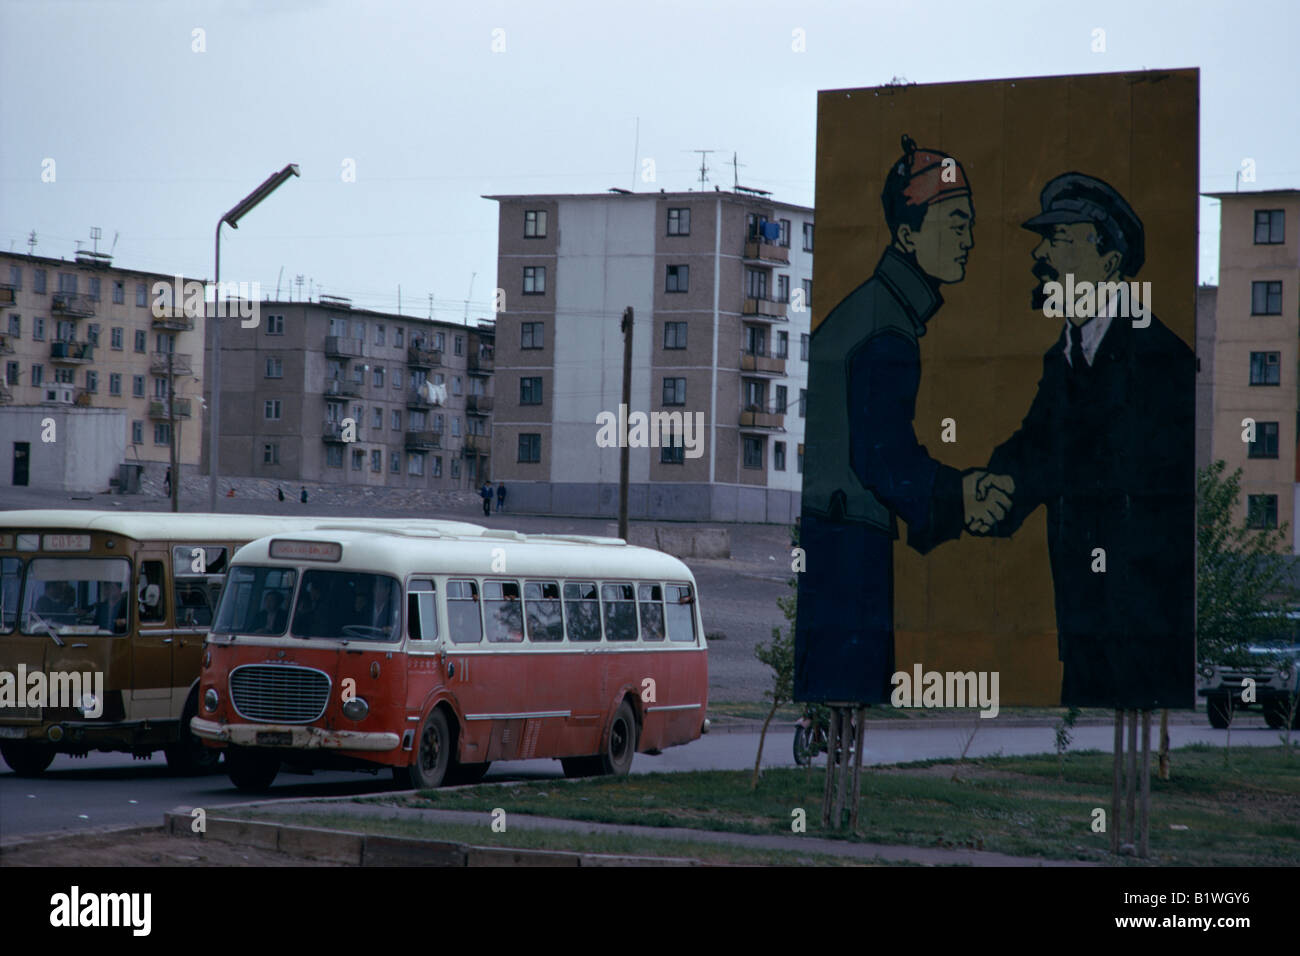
(322, 392)
(81, 336)
(720, 285)
(1256, 359)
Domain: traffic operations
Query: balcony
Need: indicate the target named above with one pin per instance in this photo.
(180, 364)
(418, 357)
(72, 305)
(761, 363)
(166, 318)
(6, 345)
(338, 388)
(763, 252)
(8, 294)
(758, 418)
(6, 394)
(340, 346)
(478, 404)
(71, 353)
(423, 440)
(762, 308)
(482, 363)
(472, 445)
(332, 432)
(161, 409)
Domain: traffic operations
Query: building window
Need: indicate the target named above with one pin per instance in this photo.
(141, 295)
(397, 420)
(455, 426)
(114, 383)
(1265, 368)
(119, 292)
(674, 391)
(137, 386)
(755, 394)
(377, 418)
(678, 279)
(755, 284)
(807, 295)
(65, 331)
(803, 403)
(782, 288)
(1265, 443)
(379, 337)
(15, 325)
(535, 224)
(11, 373)
(359, 374)
(1266, 298)
(160, 389)
(274, 367)
(1261, 511)
(397, 377)
(137, 433)
(94, 288)
(275, 325)
(16, 277)
(92, 381)
(399, 337)
(38, 329)
(807, 237)
(271, 453)
(753, 452)
(798, 464)
(679, 222)
(358, 330)
(115, 338)
(395, 463)
(458, 343)
(68, 282)
(271, 409)
(530, 448)
(672, 451)
(415, 463)
(781, 399)
(358, 459)
(379, 377)
(334, 456)
(162, 433)
(38, 375)
(439, 341)
(65, 376)
(141, 340)
(456, 387)
(1270, 227)
(755, 340)
(455, 467)
(534, 281)
(782, 347)
(778, 456)
(531, 335)
(38, 281)
(785, 232)
(437, 466)
(530, 391)
(803, 346)
(376, 460)
(674, 335)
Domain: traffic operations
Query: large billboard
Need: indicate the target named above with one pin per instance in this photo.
(999, 473)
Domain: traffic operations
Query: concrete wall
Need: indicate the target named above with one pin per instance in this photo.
(89, 444)
(656, 501)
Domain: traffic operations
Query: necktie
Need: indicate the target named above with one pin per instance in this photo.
(1077, 361)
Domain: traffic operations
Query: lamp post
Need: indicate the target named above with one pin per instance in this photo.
(244, 206)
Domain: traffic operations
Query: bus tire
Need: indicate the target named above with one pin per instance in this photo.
(620, 743)
(432, 754)
(27, 760)
(251, 771)
(466, 773)
(188, 756)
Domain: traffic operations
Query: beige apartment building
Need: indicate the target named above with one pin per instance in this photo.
(1256, 359)
(79, 341)
(323, 392)
(720, 285)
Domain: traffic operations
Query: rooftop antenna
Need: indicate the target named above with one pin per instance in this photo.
(735, 172)
(472, 277)
(95, 233)
(113, 247)
(704, 166)
(277, 283)
(31, 243)
(298, 281)
(430, 305)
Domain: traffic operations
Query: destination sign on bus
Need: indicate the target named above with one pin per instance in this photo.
(66, 542)
(306, 550)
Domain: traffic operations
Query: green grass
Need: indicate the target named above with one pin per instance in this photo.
(758, 710)
(1245, 814)
(520, 838)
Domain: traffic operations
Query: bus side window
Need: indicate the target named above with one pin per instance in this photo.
(151, 587)
(582, 611)
(680, 613)
(422, 612)
(463, 618)
(542, 607)
(192, 608)
(503, 611)
(651, 600)
(11, 572)
(620, 612)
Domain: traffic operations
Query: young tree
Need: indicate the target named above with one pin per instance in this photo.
(779, 656)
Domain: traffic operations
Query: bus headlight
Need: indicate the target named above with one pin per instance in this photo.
(210, 700)
(356, 708)
(1284, 672)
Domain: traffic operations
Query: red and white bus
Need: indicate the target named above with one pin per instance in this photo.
(436, 653)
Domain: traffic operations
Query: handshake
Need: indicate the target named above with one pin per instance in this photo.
(986, 498)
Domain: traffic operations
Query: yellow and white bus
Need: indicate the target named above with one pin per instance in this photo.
(116, 606)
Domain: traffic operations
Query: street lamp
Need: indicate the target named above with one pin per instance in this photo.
(244, 206)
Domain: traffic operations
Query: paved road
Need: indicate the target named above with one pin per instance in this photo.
(107, 789)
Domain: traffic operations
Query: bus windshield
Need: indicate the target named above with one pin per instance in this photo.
(256, 601)
(76, 596)
(347, 605)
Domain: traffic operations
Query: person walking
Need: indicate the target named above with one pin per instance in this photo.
(501, 496)
(486, 494)
(167, 483)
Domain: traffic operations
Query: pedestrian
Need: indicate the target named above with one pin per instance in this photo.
(486, 494)
(280, 493)
(167, 482)
(303, 496)
(501, 496)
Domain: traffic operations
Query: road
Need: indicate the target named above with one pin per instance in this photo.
(110, 789)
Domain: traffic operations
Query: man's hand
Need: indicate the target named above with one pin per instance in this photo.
(986, 500)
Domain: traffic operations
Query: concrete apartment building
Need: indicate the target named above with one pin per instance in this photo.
(720, 284)
(80, 345)
(322, 392)
(1256, 360)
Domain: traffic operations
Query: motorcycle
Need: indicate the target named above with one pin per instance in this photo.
(812, 733)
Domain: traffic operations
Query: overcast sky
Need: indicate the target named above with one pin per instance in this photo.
(153, 141)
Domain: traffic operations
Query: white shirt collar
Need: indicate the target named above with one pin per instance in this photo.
(1094, 330)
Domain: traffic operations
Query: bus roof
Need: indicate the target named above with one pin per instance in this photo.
(414, 551)
(167, 525)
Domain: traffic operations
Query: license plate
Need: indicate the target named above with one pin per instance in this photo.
(274, 738)
(12, 733)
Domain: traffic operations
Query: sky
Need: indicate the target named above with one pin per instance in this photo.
(160, 116)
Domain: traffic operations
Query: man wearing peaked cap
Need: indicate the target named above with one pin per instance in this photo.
(1107, 448)
(864, 467)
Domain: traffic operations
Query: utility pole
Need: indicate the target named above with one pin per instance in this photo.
(171, 418)
(624, 451)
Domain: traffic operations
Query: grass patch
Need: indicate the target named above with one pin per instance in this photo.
(1245, 814)
(757, 710)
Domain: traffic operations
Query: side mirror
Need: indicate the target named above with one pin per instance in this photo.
(152, 594)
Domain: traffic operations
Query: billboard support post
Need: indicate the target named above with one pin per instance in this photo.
(1118, 751)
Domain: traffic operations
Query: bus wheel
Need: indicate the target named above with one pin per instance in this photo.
(27, 760)
(251, 771)
(188, 755)
(466, 773)
(432, 756)
(621, 744)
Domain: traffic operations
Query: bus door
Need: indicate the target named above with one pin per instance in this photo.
(152, 646)
(197, 573)
(24, 642)
(423, 653)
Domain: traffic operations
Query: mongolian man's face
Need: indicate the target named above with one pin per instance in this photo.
(943, 242)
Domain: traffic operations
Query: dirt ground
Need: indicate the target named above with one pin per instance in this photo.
(152, 848)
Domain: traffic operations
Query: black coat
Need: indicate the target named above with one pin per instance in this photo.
(1109, 451)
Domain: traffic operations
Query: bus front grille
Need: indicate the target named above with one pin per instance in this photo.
(278, 693)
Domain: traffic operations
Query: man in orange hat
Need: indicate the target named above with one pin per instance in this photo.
(864, 466)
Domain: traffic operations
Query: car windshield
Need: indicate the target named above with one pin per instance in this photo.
(76, 596)
(347, 605)
(256, 601)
